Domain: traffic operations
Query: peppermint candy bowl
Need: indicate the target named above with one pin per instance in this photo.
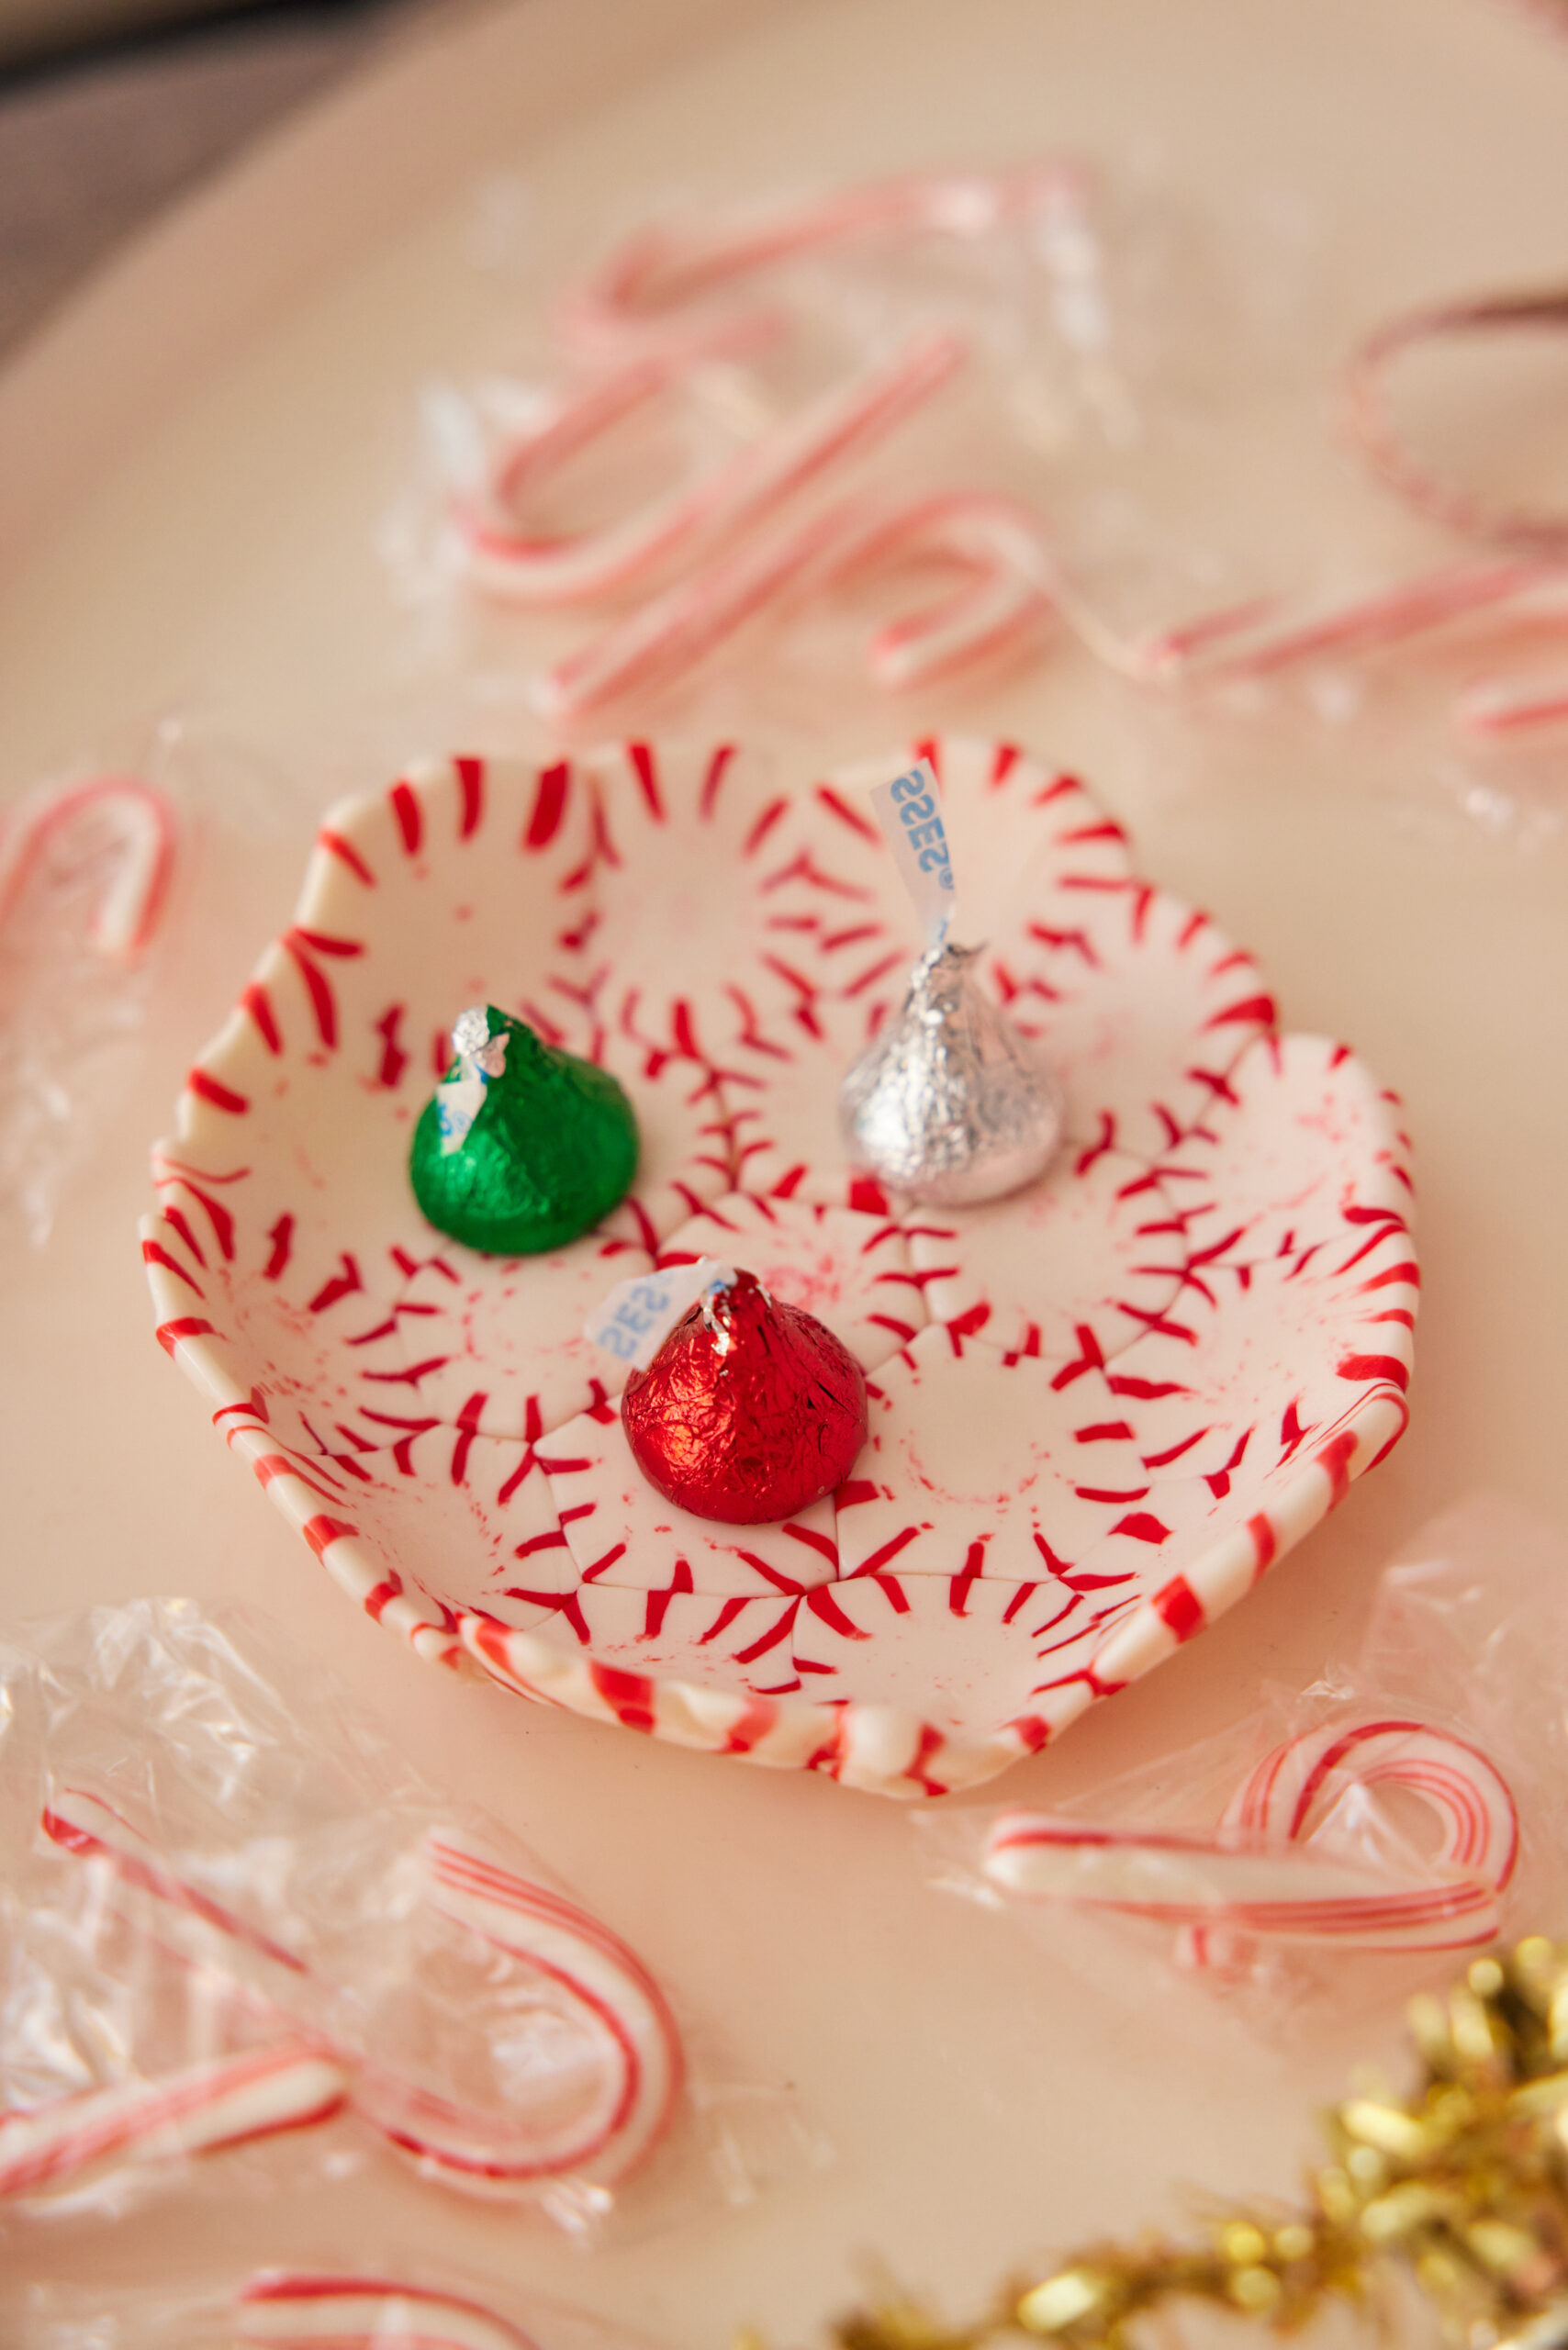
(1099, 1409)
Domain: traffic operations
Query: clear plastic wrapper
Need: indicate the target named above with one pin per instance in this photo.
(1334, 1843)
(361, 2305)
(244, 1943)
(86, 873)
(914, 431)
(99, 870)
(900, 429)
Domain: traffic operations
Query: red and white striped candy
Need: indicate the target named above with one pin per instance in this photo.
(1498, 707)
(1367, 426)
(635, 2064)
(1010, 591)
(364, 2313)
(664, 640)
(842, 425)
(998, 608)
(223, 2101)
(133, 820)
(634, 299)
(612, 1998)
(1283, 1864)
(1259, 639)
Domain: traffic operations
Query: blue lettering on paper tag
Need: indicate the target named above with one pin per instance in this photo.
(908, 812)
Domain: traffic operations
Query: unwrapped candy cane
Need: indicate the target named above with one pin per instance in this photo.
(635, 2062)
(839, 427)
(1366, 424)
(1006, 595)
(119, 811)
(364, 2313)
(635, 298)
(1284, 1862)
(717, 552)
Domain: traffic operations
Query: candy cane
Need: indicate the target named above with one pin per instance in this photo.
(610, 1992)
(842, 424)
(83, 1823)
(1365, 424)
(633, 297)
(141, 822)
(1279, 1864)
(672, 633)
(636, 2055)
(1293, 1793)
(504, 560)
(1255, 641)
(223, 2101)
(637, 305)
(364, 2313)
(1011, 589)
(1498, 707)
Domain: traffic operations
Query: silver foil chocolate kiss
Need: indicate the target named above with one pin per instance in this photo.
(949, 1103)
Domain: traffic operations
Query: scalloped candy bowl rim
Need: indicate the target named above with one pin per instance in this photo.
(874, 1746)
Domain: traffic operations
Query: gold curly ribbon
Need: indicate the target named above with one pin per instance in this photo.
(1464, 2187)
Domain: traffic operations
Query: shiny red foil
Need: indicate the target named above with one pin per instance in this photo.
(752, 1419)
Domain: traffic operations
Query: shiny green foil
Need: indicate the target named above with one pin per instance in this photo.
(551, 1150)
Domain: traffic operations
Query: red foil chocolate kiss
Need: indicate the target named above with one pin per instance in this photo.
(750, 1411)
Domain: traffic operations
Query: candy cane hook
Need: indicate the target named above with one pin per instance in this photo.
(1008, 594)
(615, 2001)
(633, 297)
(841, 425)
(1280, 1864)
(1365, 423)
(141, 822)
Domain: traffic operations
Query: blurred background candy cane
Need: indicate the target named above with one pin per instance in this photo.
(841, 425)
(1302, 1852)
(1366, 425)
(113, 833)
(749, 536)
(1519, 589)
(1007, 593)
(636, 296)
(86, 870)
(690, 566)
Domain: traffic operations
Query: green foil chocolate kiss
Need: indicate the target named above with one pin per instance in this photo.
(551, 1147)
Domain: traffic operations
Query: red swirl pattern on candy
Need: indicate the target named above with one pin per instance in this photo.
(1098, 1409)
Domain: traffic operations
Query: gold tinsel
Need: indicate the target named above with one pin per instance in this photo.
(1465, 2187)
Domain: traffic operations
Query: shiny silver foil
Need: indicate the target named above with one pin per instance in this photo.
(949, 1104)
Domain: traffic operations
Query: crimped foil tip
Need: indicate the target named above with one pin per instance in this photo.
(949, 1103)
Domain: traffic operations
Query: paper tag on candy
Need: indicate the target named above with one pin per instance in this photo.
(638, 1316)
(909, 811)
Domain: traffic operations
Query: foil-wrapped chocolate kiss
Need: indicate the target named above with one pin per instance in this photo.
(950, 1103)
